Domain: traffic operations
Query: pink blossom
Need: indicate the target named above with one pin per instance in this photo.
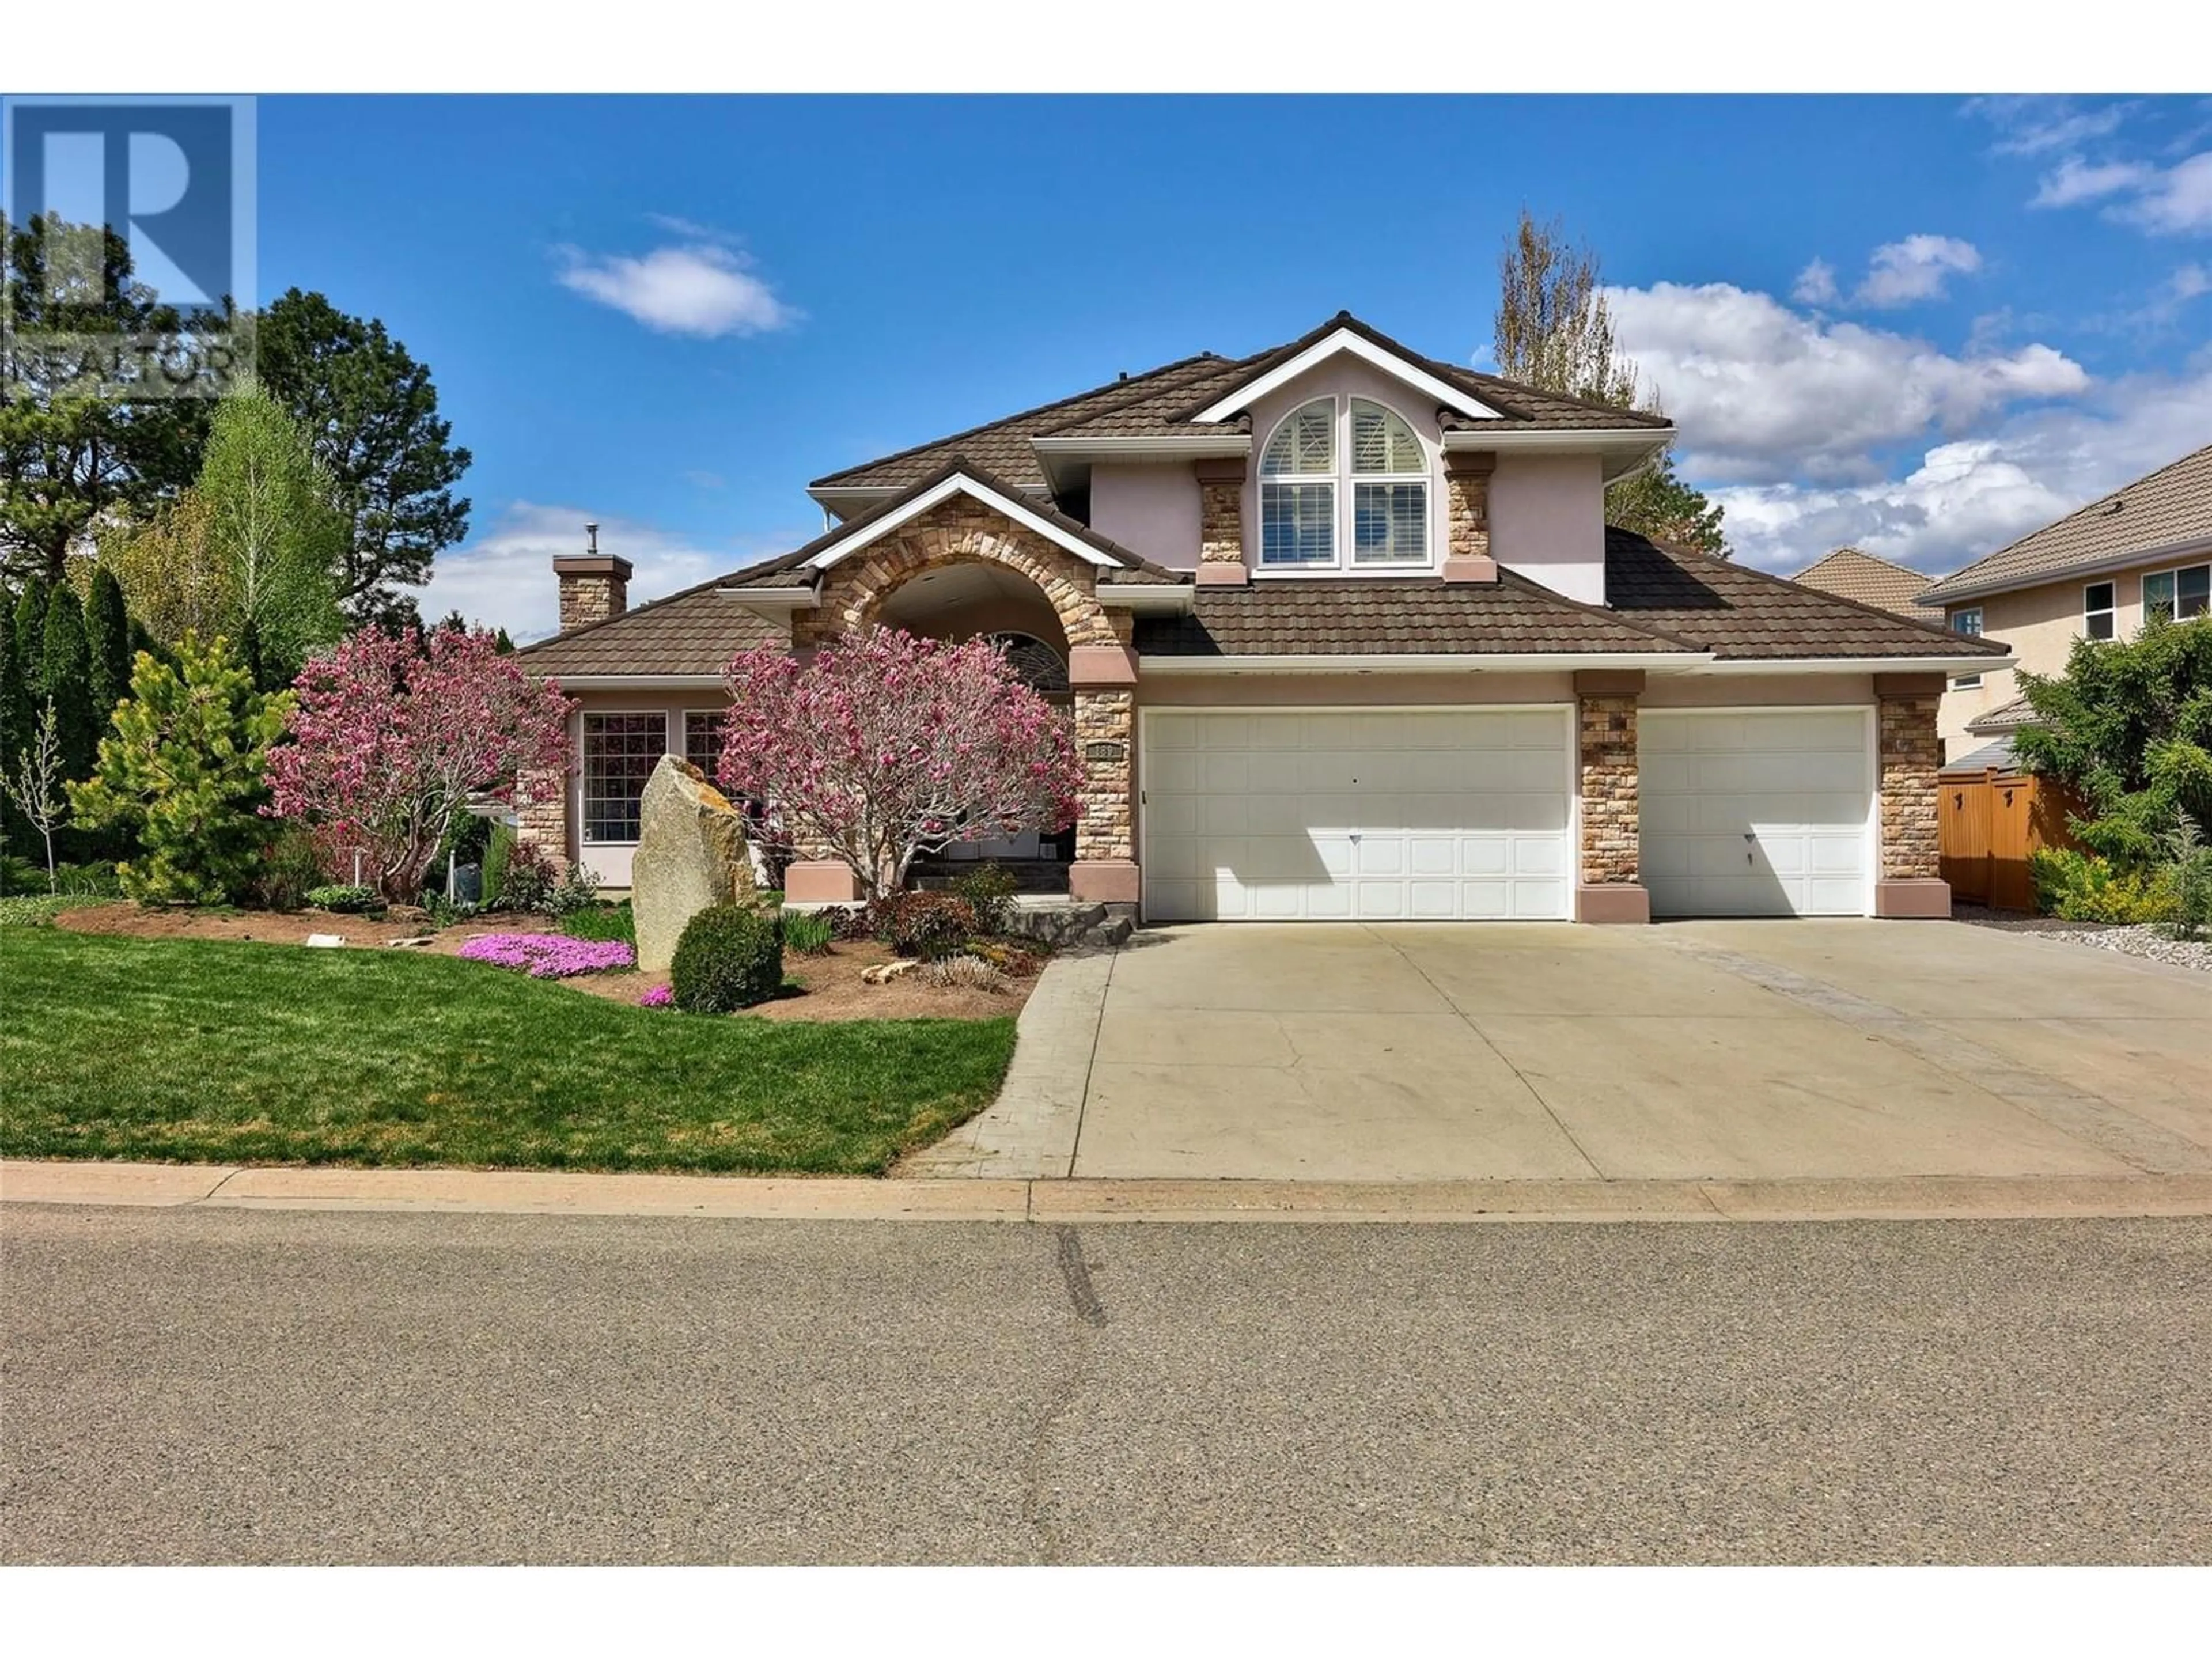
(548, 956)
(885, 747)
(389, 736)
(660, 996)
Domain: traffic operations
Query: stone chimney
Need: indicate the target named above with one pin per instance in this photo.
(1468, 557)
(594, 586)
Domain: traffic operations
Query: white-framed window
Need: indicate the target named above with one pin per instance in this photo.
(620, 751)
(2100, 600)
(702, 739)
(1344, 484)
(2178, 595)
(1967, 623)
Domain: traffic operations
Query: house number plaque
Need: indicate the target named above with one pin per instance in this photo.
(1103, 751)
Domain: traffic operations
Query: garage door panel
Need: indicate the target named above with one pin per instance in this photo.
(1458, 812)
(1756, 812)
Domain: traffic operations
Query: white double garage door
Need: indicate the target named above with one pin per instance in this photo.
(1468, 813)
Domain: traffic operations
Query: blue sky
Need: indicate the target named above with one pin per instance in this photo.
(1924, 324)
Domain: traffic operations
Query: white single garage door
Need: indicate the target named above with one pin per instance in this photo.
(1356, 814)
(1758, 812)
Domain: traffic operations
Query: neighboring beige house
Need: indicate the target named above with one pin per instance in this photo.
(1849, 573)
(1343, 634)
(2098, 572)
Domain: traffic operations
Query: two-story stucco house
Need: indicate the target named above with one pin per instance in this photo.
(2098, 573)
(1343, 634)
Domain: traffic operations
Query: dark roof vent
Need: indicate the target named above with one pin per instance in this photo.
(1123, 375)
(2112, 506)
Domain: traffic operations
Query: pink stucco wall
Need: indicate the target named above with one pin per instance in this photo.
(1151, 510)
(1547, 522)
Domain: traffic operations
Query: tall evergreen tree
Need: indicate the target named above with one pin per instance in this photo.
(15, 707)
(107, 637)
(502, 644)
(31, 626)
(65, 679)
(69, 457)
(371, 411)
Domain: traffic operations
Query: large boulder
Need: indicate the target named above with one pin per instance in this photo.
(691, 853)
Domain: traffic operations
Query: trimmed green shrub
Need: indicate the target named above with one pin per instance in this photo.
(989, 890)
(924, 925)
(498, 850)
(731, 956)
(808, 931)
(290, 868)
(2084, 887)
(347, 900)
(602, 921)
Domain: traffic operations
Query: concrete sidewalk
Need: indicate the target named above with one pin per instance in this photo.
(494, 1192)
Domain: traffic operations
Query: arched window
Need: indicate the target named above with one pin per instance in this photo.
(1340, 472)
(1042, 668)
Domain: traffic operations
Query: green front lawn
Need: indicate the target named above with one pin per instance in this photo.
(202, 1052)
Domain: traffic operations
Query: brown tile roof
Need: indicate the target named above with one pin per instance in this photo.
(1734, 611)
(696, 631)
(2171, 505)
(1850, 575)
(2005, 717)
(787, 570)
(1381, 615)
(1160, 402)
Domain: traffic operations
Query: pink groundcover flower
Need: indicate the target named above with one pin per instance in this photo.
(548, 956)
(658, 997)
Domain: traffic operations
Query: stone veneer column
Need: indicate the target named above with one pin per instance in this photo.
(541, 803)
(1104, 679)
(1467, 508)
(1221, 522)
(1910, 882)
(1608, 882)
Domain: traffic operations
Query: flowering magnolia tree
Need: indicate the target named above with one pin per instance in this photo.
(390, 737)
(886, 746)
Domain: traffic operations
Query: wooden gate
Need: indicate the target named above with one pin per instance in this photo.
(1990, 825)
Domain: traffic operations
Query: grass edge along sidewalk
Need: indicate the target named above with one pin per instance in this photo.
(183, 1050)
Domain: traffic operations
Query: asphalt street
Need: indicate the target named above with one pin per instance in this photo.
(238, 1386)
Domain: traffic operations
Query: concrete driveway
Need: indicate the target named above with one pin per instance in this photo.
(1690, 1050)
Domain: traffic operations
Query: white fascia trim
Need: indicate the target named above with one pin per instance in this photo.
(1982, 664)
(1654, 438)
(1943, 594)
(961, 484)
(1193, 444)
(637, 682)
(774, 599)
(844, 500)
(1421, 663)
(1322, 350)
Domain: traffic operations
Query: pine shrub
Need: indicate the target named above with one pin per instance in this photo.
(731, 956)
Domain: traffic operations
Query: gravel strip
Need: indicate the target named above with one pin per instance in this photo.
(2145, 939)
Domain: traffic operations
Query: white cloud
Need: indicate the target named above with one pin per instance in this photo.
(2165, 201)
(1900, 272)
(2074, 181)
(503, 577)
(700, 288)
(2036, 126)
(1763, 393)
(2178, 200)
(1969, 498)
(2189, 282)
(1816, 285)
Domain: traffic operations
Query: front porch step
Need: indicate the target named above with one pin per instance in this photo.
(1040, 875)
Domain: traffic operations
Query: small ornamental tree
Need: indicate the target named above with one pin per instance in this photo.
(390, 736)
(182, 772)
(886, 746)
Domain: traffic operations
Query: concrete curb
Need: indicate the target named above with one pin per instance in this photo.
(495, 1192)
